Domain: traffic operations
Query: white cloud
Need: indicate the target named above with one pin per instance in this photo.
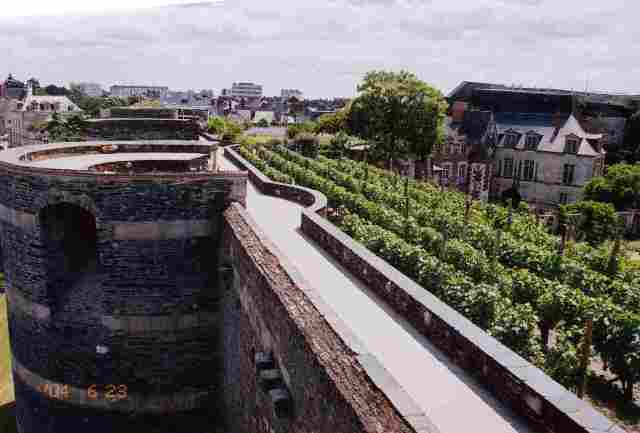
(325, 47)
(65, 7)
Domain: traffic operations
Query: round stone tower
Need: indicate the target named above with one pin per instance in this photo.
(110, 255)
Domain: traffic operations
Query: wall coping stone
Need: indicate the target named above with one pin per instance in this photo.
(318, 200)
(15, 161)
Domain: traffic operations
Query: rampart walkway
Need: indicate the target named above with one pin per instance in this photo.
(448, 396)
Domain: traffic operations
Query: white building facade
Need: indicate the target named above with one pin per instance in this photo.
(288, 93)
(147, 91)
(547, 164)
(246, 90)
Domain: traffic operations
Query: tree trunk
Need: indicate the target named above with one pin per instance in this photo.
(628, 390)
(544, 335)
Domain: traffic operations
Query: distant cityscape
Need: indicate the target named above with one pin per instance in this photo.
(550, 141)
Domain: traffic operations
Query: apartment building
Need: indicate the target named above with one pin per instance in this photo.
(246, 90)
(119, 91)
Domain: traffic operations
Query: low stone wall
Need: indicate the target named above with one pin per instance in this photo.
(511, 379)
(60, 150)
(313, 200)
(333, 385)
(276, 311)
(141, 129)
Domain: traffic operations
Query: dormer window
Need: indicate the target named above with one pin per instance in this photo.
(510, 140)
(572, 145)
(532, 140)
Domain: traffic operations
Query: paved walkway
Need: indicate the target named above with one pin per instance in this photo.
(445, 392)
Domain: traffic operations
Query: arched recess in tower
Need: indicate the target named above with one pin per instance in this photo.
(70, 240)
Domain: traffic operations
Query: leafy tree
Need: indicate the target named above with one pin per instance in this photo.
(400, 114)
(71, 130)
(299, 128)
(515, 326)
(339, 145)
(562, 360)
(620, 187)
(596, 222)
(215, 125)
(92, 105)
(616, 337)
(332, 123)
(54, 90)
(263, 123)
(232, 131)
(308, 144)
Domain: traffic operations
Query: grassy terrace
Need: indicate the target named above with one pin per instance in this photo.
(6, 385)
(7, 422)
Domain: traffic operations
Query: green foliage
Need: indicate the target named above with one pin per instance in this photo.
(263, 123)
(231, 131)
(515, 328)
(332, 123)
(339, 145)
(295, 129)
(216, 125)
(562, 360)
(308, 144)
(54, 90)
(617, 338)
(73, 129)
(92, 105)
(620, 187)
(400, 115)
(520, 299)
(597, 222)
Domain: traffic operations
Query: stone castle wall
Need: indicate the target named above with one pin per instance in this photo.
(142, 129)
(142, 323)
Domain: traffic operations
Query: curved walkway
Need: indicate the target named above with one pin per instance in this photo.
(448, 396)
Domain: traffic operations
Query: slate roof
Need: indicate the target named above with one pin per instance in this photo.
(64, 102)
(553, 139)
(475, 123)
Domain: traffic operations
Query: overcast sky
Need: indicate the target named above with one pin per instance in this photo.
(324, 47)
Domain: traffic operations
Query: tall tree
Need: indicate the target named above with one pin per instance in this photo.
(620, 187)
(597, 222)
(401, 115)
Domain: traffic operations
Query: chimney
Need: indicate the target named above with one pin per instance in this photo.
(558, 120)
(457, 111)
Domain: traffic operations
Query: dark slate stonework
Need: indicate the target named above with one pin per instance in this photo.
(147, 314)
(45, 415)
(142, 129)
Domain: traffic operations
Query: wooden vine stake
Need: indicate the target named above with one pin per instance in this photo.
(585, 356)
(406, 208)
(613, 260)
(563, 239)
